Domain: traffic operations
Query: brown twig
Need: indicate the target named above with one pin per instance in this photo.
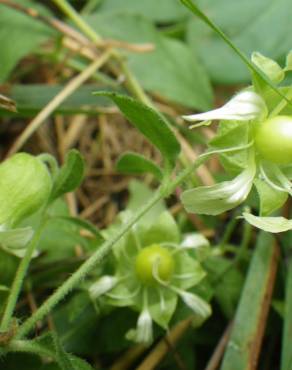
(161, 349)
(217, 355)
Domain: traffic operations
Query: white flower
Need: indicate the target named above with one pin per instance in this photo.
(102, 286)
(144, 328)
(245, 106)
(196, 304)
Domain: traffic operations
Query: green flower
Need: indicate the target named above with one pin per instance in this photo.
(152, 269)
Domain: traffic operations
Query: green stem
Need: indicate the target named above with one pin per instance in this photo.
(18, 280)
(282, 104)
(102, 252)
(80, 23)
(132, 83)
(27, 346)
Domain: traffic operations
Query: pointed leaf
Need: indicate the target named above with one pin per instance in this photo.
(268, 66)
(150, 123)
(70, 175)
(253, 68)
(16, 238)
(270, 198)
(269, 224)
(137, 164)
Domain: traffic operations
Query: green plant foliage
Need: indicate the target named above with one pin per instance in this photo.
(170, 70)
(165, 11)
(136, 164)
(20, 35)
(70, 176)
(250, 25)
(151, 124)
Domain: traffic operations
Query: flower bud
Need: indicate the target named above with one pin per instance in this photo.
(25, 185)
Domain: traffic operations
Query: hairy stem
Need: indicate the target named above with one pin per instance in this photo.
(102, 252)
(18, 280)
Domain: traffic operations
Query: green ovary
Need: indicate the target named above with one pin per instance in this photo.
(273, 140)
(151, 258)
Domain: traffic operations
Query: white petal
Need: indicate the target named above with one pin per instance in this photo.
(219, 198)
(102, 286)
(144, 328)
(196, 304)
(244, 106)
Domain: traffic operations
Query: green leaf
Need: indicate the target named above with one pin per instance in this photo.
(137, 164)
(151, 124)
(20, 35)
(286, 357)
(268, 66)
(269, 224)
(241, 350)
(166, 11)
(83, 224)
(253, 68)
(270, 198)
(70, 175)
(256, 25)
(16, 238)
(170, 70)
(219, 198)
(31, 98)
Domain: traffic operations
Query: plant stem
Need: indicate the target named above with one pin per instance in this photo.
(80, 23)
(132, 83)
(102, 252)
(279, 107)
(18, 280)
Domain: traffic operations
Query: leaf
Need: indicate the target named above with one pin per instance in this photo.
(16, 238)
(270, 198)
(268, 66)
(250, 319)
(169, 70)
(70, 175)
(269, 224)
(20, 35)
(256, 25)
(83, 224)
(165, 10)
(219, 198)
(151, 124)
(32, 98)
(137, 164)
(286, 356)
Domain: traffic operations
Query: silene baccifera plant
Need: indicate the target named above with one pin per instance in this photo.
(153, 266)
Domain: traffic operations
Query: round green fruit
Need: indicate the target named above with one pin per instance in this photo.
(151, 257)
(273, 139)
